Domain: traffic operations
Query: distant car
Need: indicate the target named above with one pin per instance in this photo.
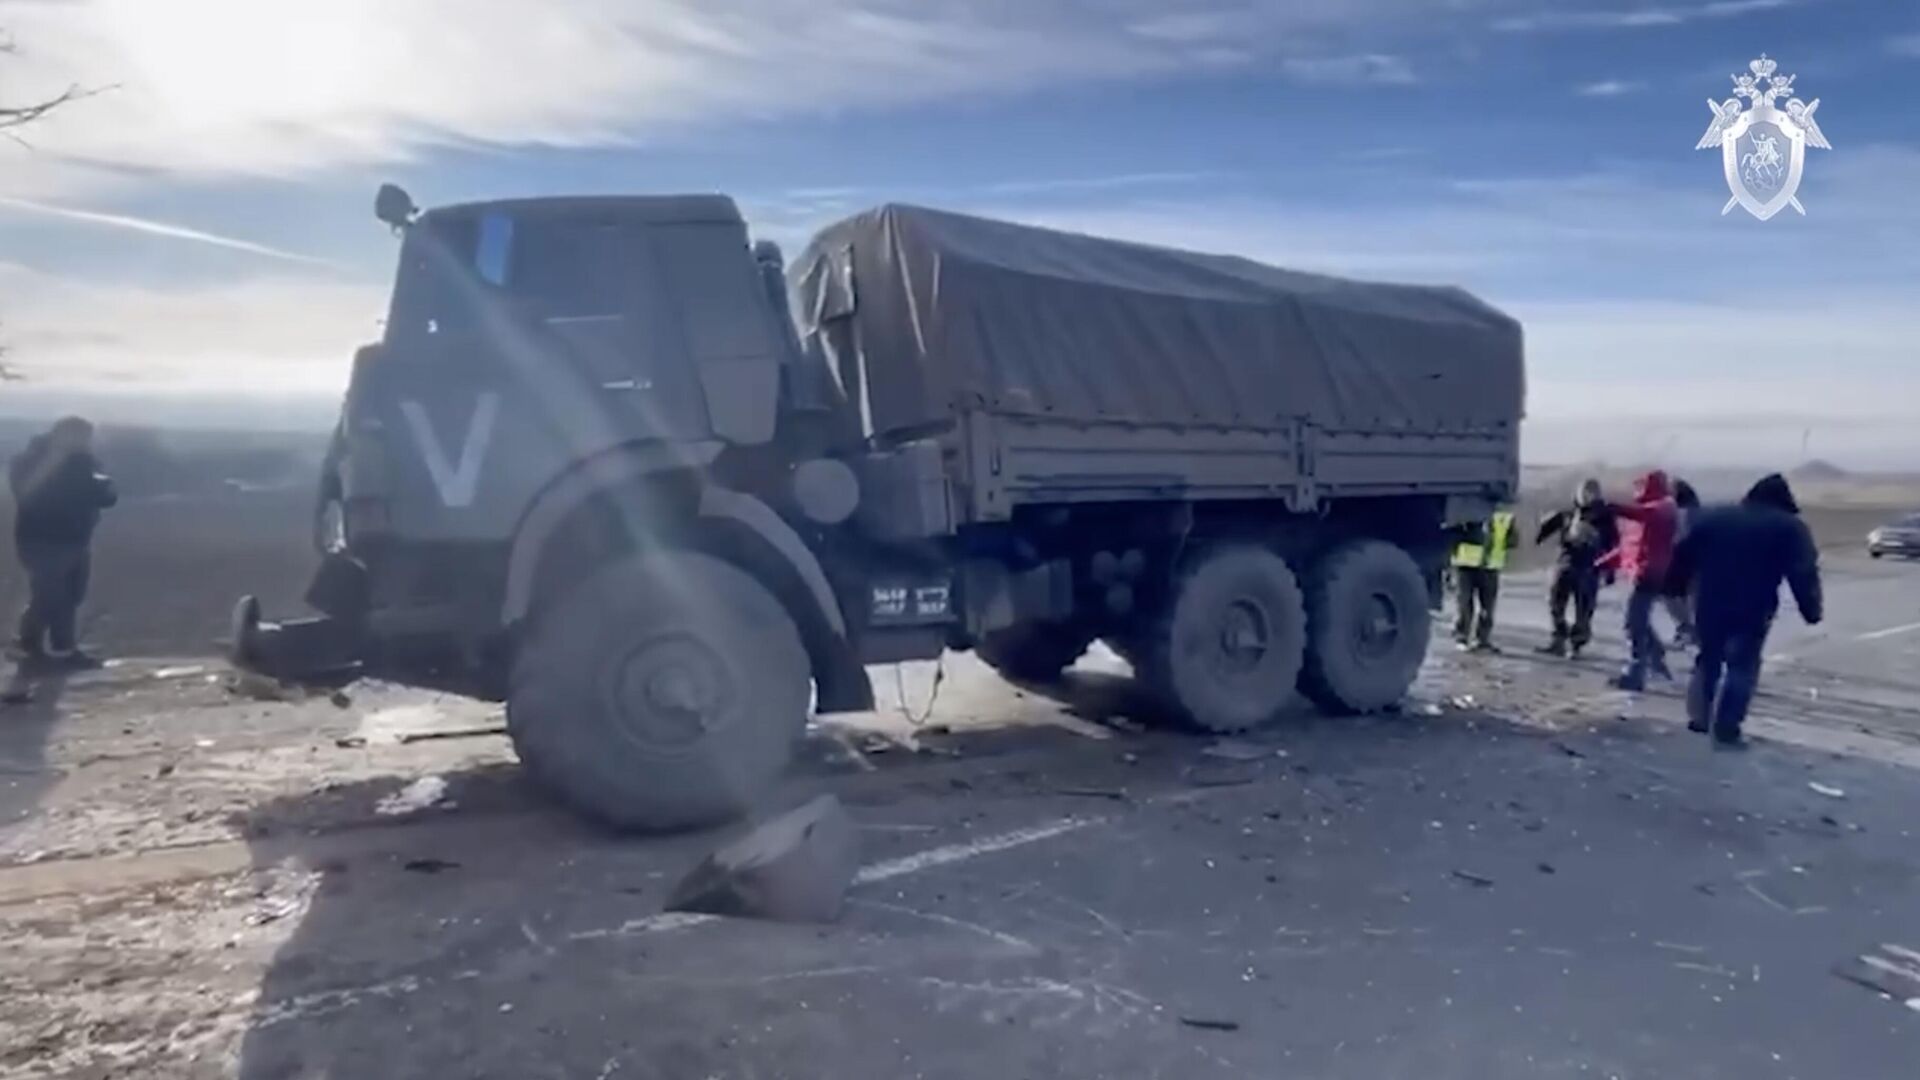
(1900, 538)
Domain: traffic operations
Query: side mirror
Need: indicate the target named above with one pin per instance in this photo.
(394, 206)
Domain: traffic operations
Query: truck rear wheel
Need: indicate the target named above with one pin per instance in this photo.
(1033, 652)
(1227, 653)
(1368, 625)
(663, 692)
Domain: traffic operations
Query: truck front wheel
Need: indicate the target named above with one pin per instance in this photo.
(1367, 627)
(663, 692)
(1227, 653)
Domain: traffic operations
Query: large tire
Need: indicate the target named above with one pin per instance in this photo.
(1368, 625)
(1227, 652)
(663, 692)
(1033, 652)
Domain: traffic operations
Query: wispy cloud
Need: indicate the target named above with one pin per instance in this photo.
(223, 88)
(1610, 88)
(1361, 69)
(1904, 45)
(1633, 18)
(157, 228)
(1097, 183)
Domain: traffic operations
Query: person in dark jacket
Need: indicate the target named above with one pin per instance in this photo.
(1586, 531)
(1735, 558)
(1679, 604)
(58, 493)
(1645, 552)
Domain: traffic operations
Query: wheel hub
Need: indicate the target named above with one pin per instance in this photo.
(672, 691)
(1244, 636)
(1378, 628)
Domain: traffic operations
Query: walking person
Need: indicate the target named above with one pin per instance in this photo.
(1735, 558)
(1679, 602)
(1478, 558)
(1587, 532)
(58, 492)
(1644, 553)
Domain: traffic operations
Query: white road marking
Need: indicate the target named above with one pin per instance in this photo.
(972, 849)
(880, 871)
(1891, 631)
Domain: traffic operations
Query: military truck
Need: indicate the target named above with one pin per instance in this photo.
(614, 465)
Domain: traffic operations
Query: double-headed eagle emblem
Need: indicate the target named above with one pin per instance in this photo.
(1763, 146)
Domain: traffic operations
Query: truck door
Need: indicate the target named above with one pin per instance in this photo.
(519, 344)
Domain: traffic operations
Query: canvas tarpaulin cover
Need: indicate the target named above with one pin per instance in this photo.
(949, 313)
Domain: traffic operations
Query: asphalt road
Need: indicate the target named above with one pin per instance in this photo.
(1525, 874)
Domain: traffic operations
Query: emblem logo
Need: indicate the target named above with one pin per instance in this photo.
(1763, 147)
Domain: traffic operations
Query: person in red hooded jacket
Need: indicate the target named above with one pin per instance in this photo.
(1648, 527)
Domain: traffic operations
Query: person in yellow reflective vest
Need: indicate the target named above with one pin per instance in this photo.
(1478, 558)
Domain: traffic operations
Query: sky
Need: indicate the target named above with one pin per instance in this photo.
(201, 228)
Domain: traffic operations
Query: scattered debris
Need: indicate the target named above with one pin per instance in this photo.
(1473, 879)
(429, 865)
(1819, 788)
(474, 732)
(1124, 725)
(184, 672)
(1236, 750)
(1094, 793)
(340, 699)
(1675, 946)
(1463, 701)
(1570, 751)
(1892, 970)
(165, 770)
(419, 795)
(1209, 1024)
(1222, 777)
(248, 684)
(1545, 868)
(1706, 969)
(795, 868)
(1426, 708)
(274, 910)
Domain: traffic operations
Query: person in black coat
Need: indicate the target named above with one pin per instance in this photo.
(58, 493)
(1586, 531)
(1734, 559)
(1679, 604)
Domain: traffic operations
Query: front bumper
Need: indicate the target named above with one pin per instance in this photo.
(326, 649)
(317, 651)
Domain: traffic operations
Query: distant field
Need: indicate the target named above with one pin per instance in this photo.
(167, 571)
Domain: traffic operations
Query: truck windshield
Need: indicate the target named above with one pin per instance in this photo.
(452, 266)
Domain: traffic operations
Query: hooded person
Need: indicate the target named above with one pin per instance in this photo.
(58, 493)
(1586, 531)
(1645, 551)
(1734, 559)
